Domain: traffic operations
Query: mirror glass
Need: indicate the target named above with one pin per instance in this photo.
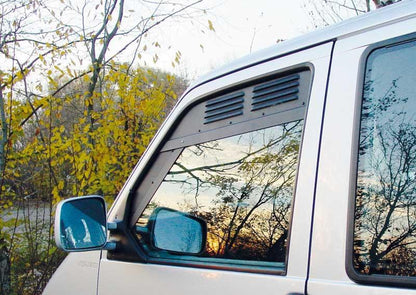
(178, 232)
(82, 224)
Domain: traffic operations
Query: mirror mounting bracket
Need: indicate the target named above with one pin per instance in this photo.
(113, 226)
(110, 246)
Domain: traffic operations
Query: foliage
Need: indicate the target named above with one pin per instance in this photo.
(74, 120)
(59, 155)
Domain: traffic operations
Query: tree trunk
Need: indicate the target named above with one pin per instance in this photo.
(4, 136)
(4, 271)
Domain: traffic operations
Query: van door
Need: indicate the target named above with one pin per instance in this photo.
(364, 231)
(240, 153)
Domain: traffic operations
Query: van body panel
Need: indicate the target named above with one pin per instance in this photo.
(124, 278)
(77, 274)
(348, 288)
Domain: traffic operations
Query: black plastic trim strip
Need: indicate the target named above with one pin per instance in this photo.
(239, 267)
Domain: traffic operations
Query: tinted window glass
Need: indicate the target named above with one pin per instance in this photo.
(242, 187)
(385, 208)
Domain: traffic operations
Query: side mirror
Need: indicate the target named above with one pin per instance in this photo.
(80, 224)
(177, 232)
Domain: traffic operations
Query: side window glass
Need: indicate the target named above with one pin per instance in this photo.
(242, 187)
(385, 203)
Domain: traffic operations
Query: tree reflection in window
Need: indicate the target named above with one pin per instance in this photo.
(242, 187)
(385, 209)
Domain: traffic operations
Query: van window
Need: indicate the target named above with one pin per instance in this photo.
(227, 174)
(385, 202)
(242, 186)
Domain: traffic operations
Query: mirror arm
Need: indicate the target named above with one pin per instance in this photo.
(113, 225)
(110, 246)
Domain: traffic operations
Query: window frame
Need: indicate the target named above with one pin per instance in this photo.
(139, 203)
(353, 274)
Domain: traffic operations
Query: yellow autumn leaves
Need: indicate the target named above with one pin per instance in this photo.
(78, 152)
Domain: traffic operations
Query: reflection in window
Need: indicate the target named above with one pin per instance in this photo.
(242, 187)
(385, 209)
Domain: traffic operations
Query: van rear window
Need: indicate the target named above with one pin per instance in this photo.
(385, 201)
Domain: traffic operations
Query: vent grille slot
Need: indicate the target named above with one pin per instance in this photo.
(224, 107)
(275, 92)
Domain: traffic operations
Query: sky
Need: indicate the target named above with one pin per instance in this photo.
(241, 27)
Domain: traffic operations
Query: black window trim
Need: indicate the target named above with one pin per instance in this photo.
(374, 279)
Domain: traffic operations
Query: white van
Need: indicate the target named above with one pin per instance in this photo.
(291, 171)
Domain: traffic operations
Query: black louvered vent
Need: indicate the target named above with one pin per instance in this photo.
(224, 107)
(275, 92)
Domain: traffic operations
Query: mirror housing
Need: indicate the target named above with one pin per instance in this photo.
(177, 232)
(81, 224)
